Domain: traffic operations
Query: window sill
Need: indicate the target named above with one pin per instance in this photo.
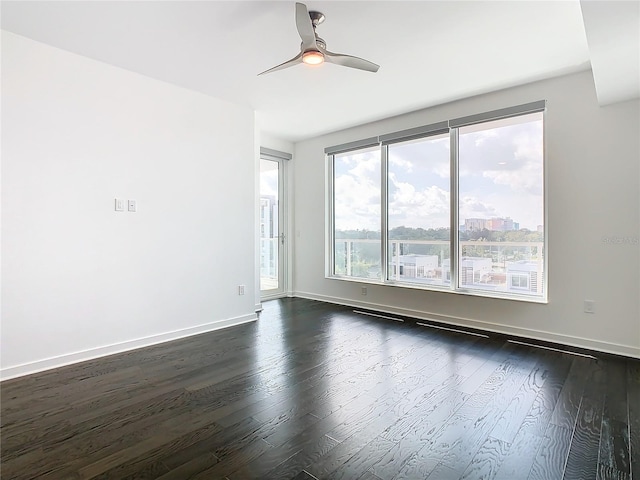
(445, 289)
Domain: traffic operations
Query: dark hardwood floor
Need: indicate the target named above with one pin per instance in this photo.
(314, 390)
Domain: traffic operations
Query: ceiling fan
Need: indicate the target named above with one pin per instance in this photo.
(313, 49)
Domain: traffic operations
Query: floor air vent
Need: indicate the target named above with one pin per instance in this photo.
(429, 325)
(379, 316)
(553, 349)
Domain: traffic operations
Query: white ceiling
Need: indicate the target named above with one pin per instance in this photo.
(430, 52)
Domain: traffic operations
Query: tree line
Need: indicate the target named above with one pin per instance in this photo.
(410, 233)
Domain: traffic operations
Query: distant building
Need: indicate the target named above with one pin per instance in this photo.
(475, 224)
(414, 266)
(524, 276)
(472, 270)
(268, 236)
(268, 216)
(495, 224)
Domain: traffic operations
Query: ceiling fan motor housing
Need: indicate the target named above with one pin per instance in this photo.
(319, 42)
(316, 18)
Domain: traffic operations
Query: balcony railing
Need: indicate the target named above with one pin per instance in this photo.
(268, 263)
(515, 267)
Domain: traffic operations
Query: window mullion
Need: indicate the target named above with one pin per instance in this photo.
(384, 212)
(454, 237)
(330, 231)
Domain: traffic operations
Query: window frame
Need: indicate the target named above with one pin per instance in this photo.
(452, 127)
(427, 132)
(331, 152)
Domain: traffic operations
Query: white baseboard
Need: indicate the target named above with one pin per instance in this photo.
(521, 333)
(93, 353)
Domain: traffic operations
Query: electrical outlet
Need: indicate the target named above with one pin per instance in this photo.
(364, 290)
(132, 205)
(589, 306)
(240, 289)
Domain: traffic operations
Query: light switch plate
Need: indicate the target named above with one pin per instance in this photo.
(119, 205)
(589, 306)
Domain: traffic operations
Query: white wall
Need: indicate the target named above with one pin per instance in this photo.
(81, 280)
(275, 143)
(593, 193)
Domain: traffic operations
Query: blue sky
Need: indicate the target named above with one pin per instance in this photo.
(500, 172)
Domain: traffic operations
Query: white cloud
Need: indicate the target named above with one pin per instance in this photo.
(424, 155)
(365, 168)
(425, 208)
(484, 135)
(442, 169)
(472, 207)
(524, 171)
(397, 161)
(527, 178)
(357, 196)
(506, 155)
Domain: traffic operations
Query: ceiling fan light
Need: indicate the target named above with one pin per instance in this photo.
(313, 57)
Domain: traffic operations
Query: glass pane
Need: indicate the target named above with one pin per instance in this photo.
(269, 230)
(420, 211)
(501, 202)
(356, 187)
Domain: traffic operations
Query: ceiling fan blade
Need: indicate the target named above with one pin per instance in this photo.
(289, 63)
(349, 61)
(305, 27)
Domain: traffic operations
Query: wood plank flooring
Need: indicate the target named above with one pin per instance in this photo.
(316, 391)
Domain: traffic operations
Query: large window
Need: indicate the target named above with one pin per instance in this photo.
(501, 205)
(356, 207)
(419, 210)
(401, 203)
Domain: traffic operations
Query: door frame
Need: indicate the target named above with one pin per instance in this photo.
(281, 158)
